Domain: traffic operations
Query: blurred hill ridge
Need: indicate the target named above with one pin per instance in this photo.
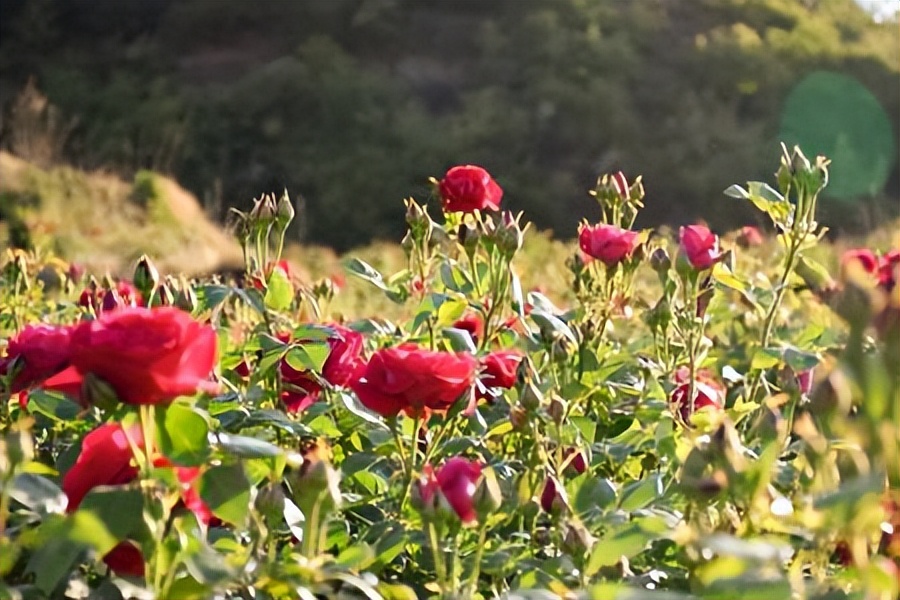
(352, 104)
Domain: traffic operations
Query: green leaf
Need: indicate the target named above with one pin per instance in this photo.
(247, 447)
(451, 310)
(593, 494)
(182, 434)
(366, 272)
(226, 492)
(354, 406)
(356, 557)
(460, 340)
(52, 405)
(641, 493)
(310, 356)
(279, 291)
(627, 541)
(119, 509)
(38, 494)
(211, 296)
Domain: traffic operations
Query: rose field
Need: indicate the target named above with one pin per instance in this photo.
(479, 413)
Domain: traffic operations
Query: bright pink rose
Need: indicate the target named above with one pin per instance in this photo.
(607, 243)
(700, 246)
(409, 379)
(148, 356)
(339, 368)
(469, 188)
(38, 352)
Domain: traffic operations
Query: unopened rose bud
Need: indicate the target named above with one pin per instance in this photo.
(111, 300)
(578, 540)
(557, 409)
(264, 211)
(620, 184)
(146, 275)
(531, 398)
(509, 235)
(324, 289)
(518, 417)
(553, 498)
(468, 237)
(284, 211)
(488, 497)
(164, 295)
(186, 299)
(270, 501)
(660, 261)
(418, 220)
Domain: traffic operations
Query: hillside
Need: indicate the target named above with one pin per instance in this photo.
(105, 223)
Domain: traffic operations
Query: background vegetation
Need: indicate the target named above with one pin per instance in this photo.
(351, 104)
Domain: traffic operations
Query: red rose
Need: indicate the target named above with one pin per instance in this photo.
(454, 483)
(125, 559)
(38, 352)
(339, 368)
(458, 479)
(500, 369)
(708, 394)
(410, 379)
(889, 269)
(864, 257)
(472, 323)
(607, 243)
(148, 356)
(574, 460)
(106, 458)
(700, 245)
(469, 188)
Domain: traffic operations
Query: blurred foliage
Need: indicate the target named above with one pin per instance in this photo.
(351, 104)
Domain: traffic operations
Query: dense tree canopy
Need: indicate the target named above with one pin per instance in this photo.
(349, 104)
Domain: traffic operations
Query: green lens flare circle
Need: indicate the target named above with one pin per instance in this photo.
(835, 115)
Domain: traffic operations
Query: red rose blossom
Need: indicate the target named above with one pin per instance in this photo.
(148, 356)
(455, 482)
(708, 394)
(863, 257)
(38, 352)
(472, 323)
(413, 380)
(607, 243)
(469, 188)
(106, 458)
(500, 369)
(700, 246)
(339, 368)
(889, 269)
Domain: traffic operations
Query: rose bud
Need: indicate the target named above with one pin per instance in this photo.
(554, 499)
(699, 245)
(146, 275)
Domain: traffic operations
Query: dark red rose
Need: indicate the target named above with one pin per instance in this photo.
(148, 356)
(472, 323)
(607, 243)
(699, 245)
(469, 188)
(621, 184)
(338, 370)
(413, 380)
(37, 353)
(125, 559)
(553, 498)
(575, 460)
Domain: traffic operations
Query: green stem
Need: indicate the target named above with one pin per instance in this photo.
(476, 568)
(440, 567)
